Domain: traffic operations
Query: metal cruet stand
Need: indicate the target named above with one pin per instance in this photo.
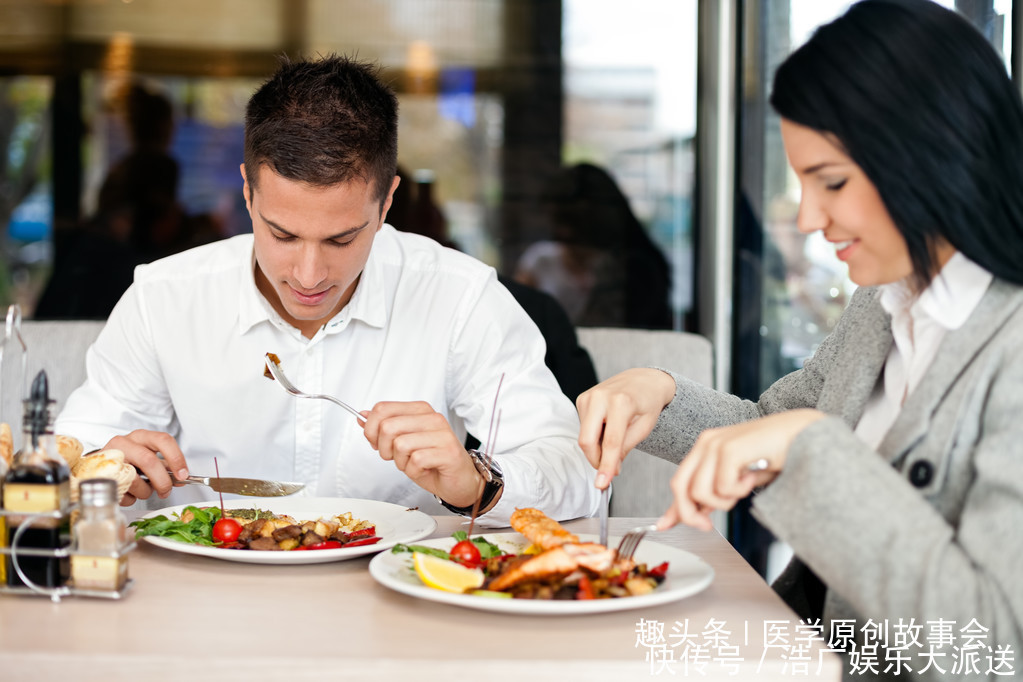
(13, 333)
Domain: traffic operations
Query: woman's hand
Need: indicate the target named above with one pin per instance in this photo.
(615, 415)
(715, 474)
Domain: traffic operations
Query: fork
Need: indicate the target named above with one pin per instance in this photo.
(278, 374)
(630, 541)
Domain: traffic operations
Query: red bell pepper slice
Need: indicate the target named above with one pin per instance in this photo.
(658, 571)
(585, 589)
(362, 541)
(356, 534)
(326, 544)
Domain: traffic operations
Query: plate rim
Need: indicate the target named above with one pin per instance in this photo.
(383, 564)
(427, 525)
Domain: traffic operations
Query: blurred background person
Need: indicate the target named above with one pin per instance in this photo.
(138, 218)
(598, 262)
(413, 209)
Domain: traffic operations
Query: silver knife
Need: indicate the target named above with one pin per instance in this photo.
(239, 486)
(605, 501)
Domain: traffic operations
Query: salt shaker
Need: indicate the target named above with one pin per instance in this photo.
(98, 562)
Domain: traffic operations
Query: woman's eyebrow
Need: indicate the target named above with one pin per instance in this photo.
(820, 166)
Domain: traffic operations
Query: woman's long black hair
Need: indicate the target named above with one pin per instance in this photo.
(922, 103)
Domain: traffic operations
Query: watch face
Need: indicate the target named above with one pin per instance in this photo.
(487, 472)
(496, 468)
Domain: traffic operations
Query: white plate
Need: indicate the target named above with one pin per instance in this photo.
(687, 575)
(394, 523)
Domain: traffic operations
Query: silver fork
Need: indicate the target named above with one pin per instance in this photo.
(278, 374)
(630, 541)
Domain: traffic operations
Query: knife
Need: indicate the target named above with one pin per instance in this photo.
(239, 486)
(605, 500)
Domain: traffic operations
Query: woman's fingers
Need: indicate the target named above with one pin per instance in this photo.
(617, 414)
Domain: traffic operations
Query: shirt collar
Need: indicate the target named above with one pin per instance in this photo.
(253, 308)
(949, 299)
(367, 303)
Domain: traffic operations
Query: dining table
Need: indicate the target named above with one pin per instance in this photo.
(195, 618)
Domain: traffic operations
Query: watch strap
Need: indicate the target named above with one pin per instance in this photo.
(493, 482)
(490, 491)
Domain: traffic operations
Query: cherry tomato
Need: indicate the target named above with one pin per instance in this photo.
(226, 530)
(466, 553)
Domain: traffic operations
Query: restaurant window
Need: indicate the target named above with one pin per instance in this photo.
(499, 100)
(26, 193)
(630, 111)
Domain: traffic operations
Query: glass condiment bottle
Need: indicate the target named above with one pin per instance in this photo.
(3, 522)
(39, 482)
(98, 562)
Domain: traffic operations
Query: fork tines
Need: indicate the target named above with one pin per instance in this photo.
(630, 541)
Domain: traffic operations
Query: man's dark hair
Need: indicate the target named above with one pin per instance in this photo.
(324, 122)
(921, 102)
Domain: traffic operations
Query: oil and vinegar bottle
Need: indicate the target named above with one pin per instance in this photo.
(39, 483)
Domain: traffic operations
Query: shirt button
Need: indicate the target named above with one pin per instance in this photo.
(921, 473)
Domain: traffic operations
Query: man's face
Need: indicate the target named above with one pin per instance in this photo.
(311, 244)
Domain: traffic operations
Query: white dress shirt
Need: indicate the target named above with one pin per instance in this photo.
(183, 352)
(919, 323)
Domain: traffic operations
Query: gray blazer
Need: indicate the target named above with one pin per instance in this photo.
(929, 526)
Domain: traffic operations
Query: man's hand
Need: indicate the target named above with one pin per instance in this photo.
(422, 445)
(140, 449)
(616, 414)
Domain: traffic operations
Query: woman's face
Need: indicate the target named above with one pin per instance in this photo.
(839, 200)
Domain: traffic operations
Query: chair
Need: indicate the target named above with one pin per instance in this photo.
(59, 348)
(642, 487)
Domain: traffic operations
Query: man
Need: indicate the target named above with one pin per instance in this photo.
(353, 308)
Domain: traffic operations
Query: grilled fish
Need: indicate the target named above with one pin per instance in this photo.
(540, 529)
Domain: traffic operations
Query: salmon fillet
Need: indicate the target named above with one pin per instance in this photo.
(540, 529)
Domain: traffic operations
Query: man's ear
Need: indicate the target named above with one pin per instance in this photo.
(246, 190)
(388, 200)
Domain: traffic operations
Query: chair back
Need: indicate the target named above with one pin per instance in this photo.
(642, 487)
(59, 348)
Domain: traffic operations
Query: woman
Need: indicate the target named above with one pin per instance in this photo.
(892, 463)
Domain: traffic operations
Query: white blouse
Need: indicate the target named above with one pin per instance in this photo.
(919, 323)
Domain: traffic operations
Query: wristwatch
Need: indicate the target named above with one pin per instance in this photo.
(493, 482)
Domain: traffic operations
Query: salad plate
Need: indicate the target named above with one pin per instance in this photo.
(394, 524)
(687, 575)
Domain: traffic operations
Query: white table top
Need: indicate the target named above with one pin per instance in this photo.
(195, 618)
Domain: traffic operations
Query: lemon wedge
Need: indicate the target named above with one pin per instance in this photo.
(446, 575)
